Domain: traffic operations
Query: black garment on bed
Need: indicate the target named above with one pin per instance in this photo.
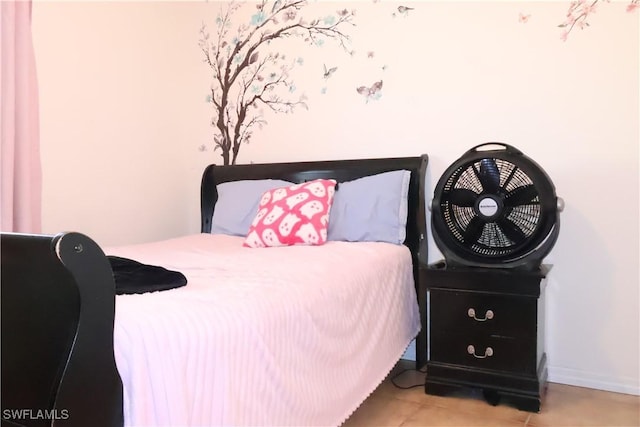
(133, 277)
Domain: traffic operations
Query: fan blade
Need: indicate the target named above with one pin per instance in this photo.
(511, 230)
(489, 175)
(463, 197)
(521, 196)
(474, 230)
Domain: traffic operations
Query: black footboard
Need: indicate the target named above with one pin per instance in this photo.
(58, 305)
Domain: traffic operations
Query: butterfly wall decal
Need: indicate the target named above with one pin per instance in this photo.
(372, 92)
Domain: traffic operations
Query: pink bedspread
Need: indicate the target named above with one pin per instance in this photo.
(279, 336)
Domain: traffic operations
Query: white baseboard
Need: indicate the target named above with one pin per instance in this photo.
(568, 376)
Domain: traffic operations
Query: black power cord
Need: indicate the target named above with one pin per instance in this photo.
(393, 380)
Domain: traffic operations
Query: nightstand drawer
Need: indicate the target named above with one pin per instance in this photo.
(483, 314)
(495, 352)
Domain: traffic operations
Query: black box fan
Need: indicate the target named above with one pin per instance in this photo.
(495, 207)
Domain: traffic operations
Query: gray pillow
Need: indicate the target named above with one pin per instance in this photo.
(371, 209)
(237, 204)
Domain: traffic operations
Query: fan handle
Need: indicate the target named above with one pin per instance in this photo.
(507, 147)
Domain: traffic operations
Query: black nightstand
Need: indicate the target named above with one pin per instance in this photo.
(486, 331)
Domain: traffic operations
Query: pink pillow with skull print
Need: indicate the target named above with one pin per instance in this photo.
(294, 215)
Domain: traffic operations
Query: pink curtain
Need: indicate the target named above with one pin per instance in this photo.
(19, 125)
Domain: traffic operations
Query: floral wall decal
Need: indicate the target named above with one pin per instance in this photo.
(580, 10)
(578, 13)
(249, 74)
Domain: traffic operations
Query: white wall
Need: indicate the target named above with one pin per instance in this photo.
(121, 88)
(123, 114)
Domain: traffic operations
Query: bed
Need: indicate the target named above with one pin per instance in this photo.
(291, 335)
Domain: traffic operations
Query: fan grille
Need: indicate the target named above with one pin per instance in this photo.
(519, 217)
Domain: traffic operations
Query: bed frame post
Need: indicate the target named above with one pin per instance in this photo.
(58, 306)
(420, 257)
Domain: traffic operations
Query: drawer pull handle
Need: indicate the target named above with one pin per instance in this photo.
(472, 313)
(487, 353)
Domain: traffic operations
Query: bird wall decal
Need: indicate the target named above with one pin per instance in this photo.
(328, 72)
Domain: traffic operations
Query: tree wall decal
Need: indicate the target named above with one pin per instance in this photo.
(249, 75)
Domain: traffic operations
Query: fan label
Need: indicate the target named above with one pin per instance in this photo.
(488, 207)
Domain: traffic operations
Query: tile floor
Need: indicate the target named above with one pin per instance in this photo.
(563, 406)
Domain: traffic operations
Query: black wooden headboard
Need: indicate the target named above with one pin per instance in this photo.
(340, 170)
